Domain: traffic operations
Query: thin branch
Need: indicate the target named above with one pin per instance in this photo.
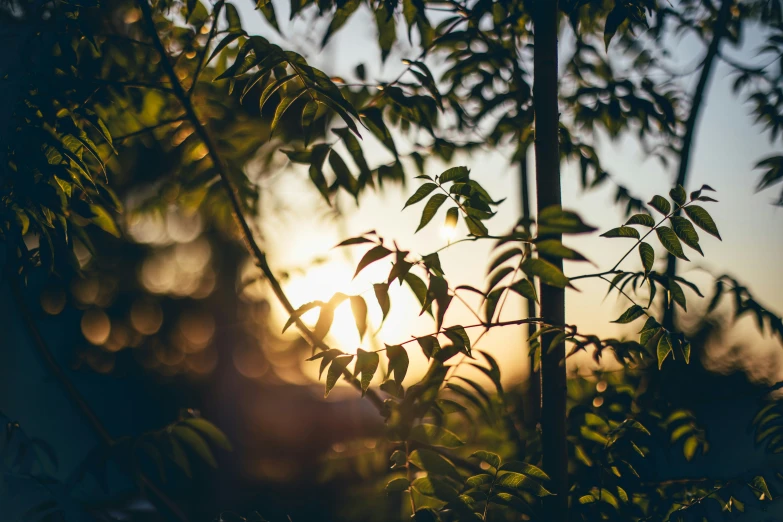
(202, 63)
(140, 85)
(148, 129)
(236, 204)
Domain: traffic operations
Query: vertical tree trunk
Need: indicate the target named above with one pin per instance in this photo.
(531, 401)
(718, 32)
(553, 372)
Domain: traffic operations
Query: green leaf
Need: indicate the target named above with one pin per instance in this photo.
(212, 432)
(398, 362)
(503, 257)
(493, 459)
(435, 436)
(104, 220)
(458, 336)
(359, 309)
(387, 33)
(478, 480)
(678, 195)
(622, 232)
(554, 248)
(660, 204)
(194, 441)
(664, 349)
(547, 272)
(498, 277)
(418, 287)
(426, 514)
(179, 456)
(382, 296)
(335, 371)
(433, 463)
(677, 294)
(454, 174)
(283, 106)
(526, 469)
(641, 219)
(301, 311)
(555, 220)
(430, 209)
(326, 357)
(526, 289)
(670, 242)
(518, 481)
(343, 13)
(452, 216)
(353, 241)
(397, 484)
(366, 365)
(429, 345)
(633, 313)
(374, 254)
(342, 173)
(436, 488)
(647, 254)
(326, 317)
(232, 17)
(760, 485)
(685, 231)
(475, 226)
(702, 219)
(686, 352)
(421, 193)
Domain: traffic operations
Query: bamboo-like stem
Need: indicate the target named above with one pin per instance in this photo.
(548, 192)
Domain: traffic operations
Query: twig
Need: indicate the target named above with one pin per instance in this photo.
(236, 205)
(147, 129)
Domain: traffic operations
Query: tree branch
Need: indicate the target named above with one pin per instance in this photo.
(236, 205)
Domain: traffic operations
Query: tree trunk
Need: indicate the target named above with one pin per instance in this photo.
(719, 31)
(553, 371)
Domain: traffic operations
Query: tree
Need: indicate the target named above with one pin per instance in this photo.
(53, 191)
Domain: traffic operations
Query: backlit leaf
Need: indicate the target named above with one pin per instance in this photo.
(398, 362)
(435, 436)
(422, 192)
(664, 349)
(373, 255)
(335, 371)
(359, 309)
(430, 209)
(547, 272)
(633, 313)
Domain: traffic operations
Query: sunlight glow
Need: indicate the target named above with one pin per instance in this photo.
(321, 282)
(448, 232)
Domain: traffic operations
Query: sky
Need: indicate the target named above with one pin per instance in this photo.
(727, 147)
